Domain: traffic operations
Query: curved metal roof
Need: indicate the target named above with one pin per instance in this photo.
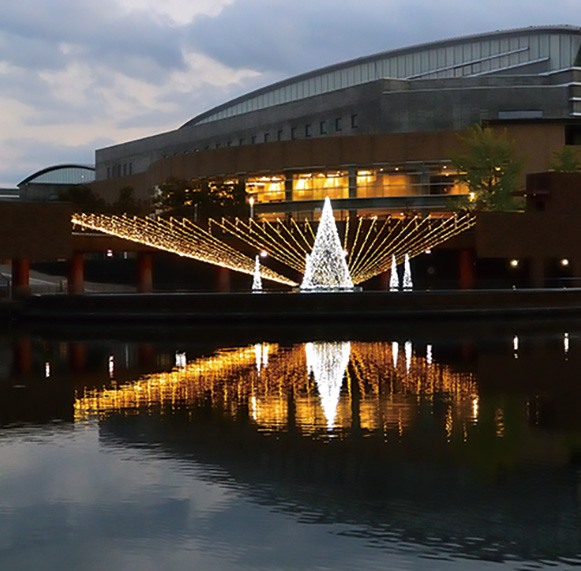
(477, 54)
(62, 174)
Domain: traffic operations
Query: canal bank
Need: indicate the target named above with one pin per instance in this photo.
(297, 307)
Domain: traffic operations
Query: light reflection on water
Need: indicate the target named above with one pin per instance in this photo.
(362, 454)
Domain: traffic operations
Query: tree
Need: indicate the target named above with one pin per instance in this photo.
(489, 167)
(198, 202)
(565, 160)
(82, 198)
(125, 203)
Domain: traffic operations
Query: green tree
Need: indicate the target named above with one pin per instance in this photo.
(198, 202)
(565, 160)
(125, 203)
(82, 198)
(487, 164)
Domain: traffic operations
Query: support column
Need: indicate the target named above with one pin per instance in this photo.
(77, 357)
(384, 279)
(144, 272)
(355, 404)
(467, 274)
(76, 275)
(223, 279)
(537, 272)
(22, 356)
(20, 277)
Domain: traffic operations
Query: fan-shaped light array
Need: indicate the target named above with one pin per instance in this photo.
(371, 244)
(180, 237)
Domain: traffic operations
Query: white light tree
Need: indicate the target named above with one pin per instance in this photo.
(257, 280)
(393, 278)
(325, 267)
(408, 284)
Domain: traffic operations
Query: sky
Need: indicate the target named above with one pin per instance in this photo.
(78, 75)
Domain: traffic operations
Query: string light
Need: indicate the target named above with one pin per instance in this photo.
(371, 249)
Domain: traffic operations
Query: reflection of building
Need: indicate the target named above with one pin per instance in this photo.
(374, 133)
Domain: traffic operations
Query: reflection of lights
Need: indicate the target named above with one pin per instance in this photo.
(566, 343)
(181, 360)
(515, 343)
(408, 355)
(475, 404)
(328, 362)
(499, 422)
(429, 354)
(394, 351)
(47, 370)
(111, 367)
(229, 379)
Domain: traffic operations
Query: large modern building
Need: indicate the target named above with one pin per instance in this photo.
(375, 133)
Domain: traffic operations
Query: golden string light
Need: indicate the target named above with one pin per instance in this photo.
(370, 249)
(180, 237)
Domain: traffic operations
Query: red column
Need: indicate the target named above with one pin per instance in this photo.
(144, 272)
(76, 277)
(20, 277)
(22, 356)
(467, 274)
(384, 280)
(223, 279)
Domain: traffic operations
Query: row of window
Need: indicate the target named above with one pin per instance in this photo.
(306, 131)
(116, 171)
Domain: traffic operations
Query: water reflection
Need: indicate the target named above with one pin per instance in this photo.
(311, 387)
(409, 450)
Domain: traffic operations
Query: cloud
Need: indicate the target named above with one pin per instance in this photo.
(73, 72)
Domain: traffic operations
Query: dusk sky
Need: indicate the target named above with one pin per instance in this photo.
(78, 75)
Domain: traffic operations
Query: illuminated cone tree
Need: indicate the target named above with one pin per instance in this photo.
(326, 268)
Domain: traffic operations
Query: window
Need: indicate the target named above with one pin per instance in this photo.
(323, 128)
(293, 133)
(338, 124)
(266, 137)
(130, 169)
(218, 145)
(240, 142)
(229, 144)
(355, 121)
(253, 139)
(308, 130)
(108, 172)
(279, 135)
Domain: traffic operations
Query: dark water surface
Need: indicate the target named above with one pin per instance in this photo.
(420, 447)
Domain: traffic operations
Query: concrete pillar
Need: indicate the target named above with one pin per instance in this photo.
(76, 274)
(22, 356)
(77, 357)
(288, 186)
(537, 275)
(144, 272)
(223, 279)
(20, 277)
(467, 272)
(355, 405)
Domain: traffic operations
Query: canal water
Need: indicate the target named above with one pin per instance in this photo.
(435, 446)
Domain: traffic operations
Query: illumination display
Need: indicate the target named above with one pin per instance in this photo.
(325, 266)
(393, 277)
(257, 380)
(180, 237)
(371, 243)
(408, 284)
(327, 362)
(257, 280)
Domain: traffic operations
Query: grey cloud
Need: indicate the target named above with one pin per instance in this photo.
(93, 31)
(293, 37)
